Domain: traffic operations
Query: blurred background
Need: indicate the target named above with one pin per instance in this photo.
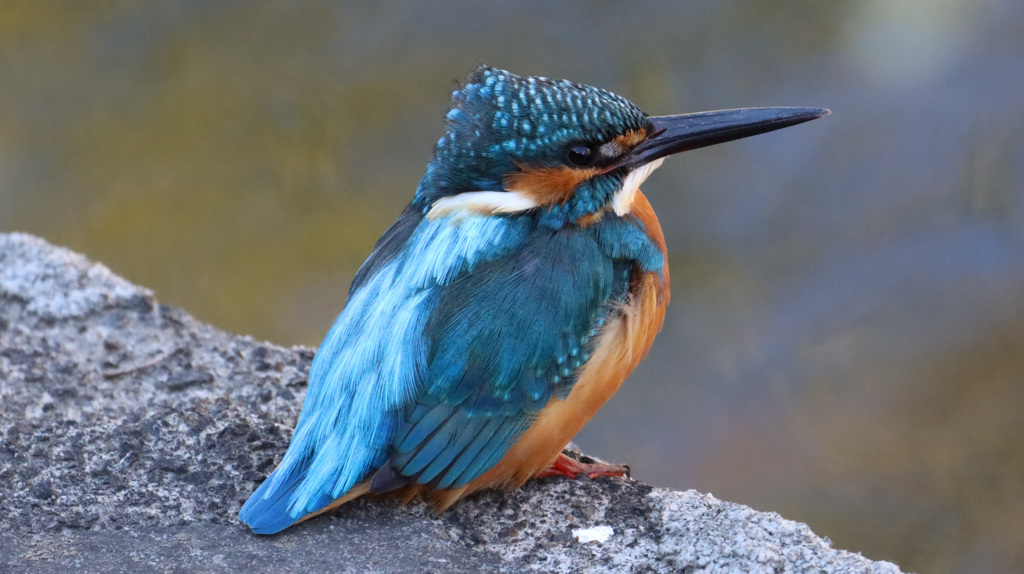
(845, 343)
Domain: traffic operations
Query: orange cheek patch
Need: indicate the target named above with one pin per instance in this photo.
(548, 185)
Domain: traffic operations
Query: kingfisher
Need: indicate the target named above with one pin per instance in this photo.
(508, 302)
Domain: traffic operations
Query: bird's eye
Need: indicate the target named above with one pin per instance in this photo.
(580, 155)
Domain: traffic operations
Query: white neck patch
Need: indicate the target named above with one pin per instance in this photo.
(622, 202)
(481, 203)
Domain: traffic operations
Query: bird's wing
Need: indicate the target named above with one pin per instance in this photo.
(502, 341)
(373, 361)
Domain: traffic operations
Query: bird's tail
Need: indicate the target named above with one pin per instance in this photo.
(266, 511)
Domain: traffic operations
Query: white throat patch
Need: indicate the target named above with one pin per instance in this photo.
(622, 202)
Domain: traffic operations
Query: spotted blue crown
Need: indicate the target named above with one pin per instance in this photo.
(499, 121)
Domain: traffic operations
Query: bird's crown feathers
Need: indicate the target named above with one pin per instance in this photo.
(500, 122)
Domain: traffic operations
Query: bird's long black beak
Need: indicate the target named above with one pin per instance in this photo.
(674, 134)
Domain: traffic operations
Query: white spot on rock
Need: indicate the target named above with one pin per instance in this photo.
(599, 534)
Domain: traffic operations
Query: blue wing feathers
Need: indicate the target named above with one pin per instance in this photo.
(455, 336)
(502, 343)
(415, 412)
(470, 453)
(442, 444)
(373, 360)
(492, 452)
(462, 434)
(422, 429)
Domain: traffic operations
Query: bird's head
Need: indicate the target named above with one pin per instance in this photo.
(564, 150)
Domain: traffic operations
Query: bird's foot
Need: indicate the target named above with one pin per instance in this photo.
(573, 468)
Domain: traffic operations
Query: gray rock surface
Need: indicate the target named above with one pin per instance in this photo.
(130, 435)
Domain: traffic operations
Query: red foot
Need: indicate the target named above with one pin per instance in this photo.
(572, 468)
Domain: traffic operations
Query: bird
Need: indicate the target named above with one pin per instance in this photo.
(511, 298)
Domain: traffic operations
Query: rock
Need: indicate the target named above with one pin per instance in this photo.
(132, 433)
